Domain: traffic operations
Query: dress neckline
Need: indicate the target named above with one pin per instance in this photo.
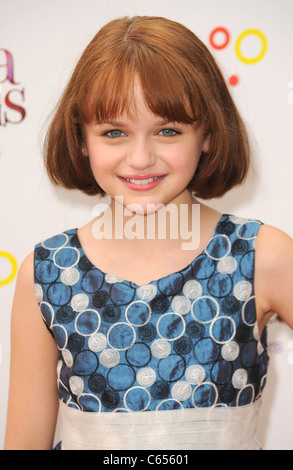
(154, 281)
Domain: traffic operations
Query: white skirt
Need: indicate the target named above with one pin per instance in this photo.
(216, 428)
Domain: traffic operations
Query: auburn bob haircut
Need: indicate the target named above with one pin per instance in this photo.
(181, 82)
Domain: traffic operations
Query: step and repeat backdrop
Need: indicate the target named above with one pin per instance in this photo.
(41, 41)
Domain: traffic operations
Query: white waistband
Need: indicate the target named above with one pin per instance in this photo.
(214, 428)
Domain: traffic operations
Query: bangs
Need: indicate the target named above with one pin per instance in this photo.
(166, 89)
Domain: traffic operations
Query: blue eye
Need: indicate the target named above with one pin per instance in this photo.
(168, 132)
(114, 133)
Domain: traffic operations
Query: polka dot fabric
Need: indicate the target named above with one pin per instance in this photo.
(189, 339)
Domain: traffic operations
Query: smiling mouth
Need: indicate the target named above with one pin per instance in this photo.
(140, 182)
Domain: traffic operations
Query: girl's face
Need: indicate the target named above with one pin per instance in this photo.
(144, 159)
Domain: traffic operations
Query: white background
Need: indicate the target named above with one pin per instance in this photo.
(46, 39)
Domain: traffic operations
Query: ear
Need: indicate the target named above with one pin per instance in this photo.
(84, 151)
(206, 144)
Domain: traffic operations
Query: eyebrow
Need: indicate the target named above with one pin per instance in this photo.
(162, 122)
(111, 123)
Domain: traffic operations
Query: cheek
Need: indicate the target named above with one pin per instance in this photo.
(101, 173)
(186, 160)
(100, 162)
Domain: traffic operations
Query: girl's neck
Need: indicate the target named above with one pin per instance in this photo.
(142, 260)
(174, 223)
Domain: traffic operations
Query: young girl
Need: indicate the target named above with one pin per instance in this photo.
(152, 345)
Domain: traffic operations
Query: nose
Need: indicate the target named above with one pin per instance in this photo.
(141, 154)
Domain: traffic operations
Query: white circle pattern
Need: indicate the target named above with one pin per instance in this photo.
(160, 348)
(181, 304)
(79, 302)
(147, 292)
(146, 376)
(192, 289)
(38, 293)
(109, 358)
(181, 391)
(242, 290)
(230, 351)
(69, 276)
(195, 374)
(227, 265)
(97, 342)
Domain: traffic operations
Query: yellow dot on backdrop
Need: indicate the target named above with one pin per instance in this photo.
(13, 272)
(243, 35)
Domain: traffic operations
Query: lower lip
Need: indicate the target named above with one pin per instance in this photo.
(142, 187)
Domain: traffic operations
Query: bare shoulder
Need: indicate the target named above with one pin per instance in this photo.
(24, 289)
(25, 308)
(26, 269)
(274, 248)
(274, 272)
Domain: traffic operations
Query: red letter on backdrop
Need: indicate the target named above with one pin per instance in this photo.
(8, 64)
(14, 106)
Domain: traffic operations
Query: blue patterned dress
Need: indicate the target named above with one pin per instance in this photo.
(188, 340)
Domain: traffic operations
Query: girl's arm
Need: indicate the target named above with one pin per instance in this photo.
(274, 274)
(33, 397)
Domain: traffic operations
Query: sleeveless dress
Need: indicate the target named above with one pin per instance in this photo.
(174, 364)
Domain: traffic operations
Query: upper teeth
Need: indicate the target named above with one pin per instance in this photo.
(146, 181)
